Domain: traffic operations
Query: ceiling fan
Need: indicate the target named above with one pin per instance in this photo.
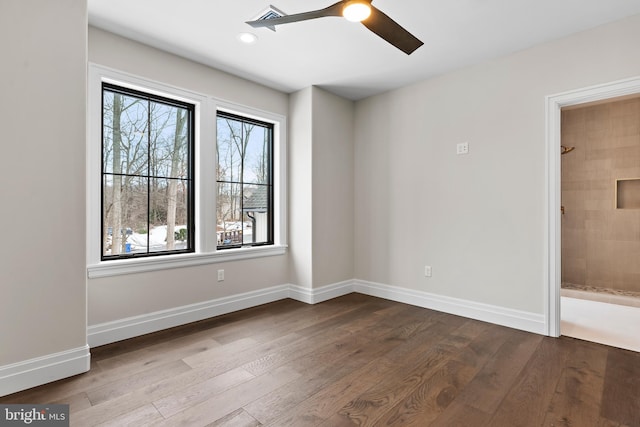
(356, 11)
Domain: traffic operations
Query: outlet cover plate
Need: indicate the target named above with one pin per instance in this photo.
(462, 148)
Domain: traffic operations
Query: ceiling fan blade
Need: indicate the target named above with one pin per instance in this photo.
(391, 31)
(333, 10)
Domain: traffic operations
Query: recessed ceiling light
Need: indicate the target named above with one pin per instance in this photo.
(247, 38)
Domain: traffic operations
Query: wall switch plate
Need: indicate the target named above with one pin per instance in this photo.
(462, 148)
(427, 270)
(220, 275)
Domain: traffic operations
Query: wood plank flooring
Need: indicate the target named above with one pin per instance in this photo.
(354, 360)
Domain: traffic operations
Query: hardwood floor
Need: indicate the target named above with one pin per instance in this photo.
(354, 360)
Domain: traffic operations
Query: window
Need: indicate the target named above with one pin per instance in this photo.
(147, 174)
(244, 202)
(159, 145)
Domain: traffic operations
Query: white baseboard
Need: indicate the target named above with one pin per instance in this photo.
(130, 327)
(516, 319)
(117, 330)
(324, 293)
(41, 370)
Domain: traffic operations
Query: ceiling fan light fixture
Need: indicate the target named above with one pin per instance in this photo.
(361, 11)
(356, 10)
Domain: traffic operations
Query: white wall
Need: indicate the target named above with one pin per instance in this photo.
(42, 117)
(333, 180)
(119, 297)
(126, 55)
(477, 219)
(320, 188)
(300, 157)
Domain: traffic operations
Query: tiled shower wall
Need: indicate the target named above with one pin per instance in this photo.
(600, 242)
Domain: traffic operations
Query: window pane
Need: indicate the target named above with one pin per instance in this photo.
(137, 210)
(258, 155)
(229, 150)
(121, 213)
(245, 183)
(229, 214)
(147, 180)
(255, 211)
(168, 219)
(125, 127)
(168, 143)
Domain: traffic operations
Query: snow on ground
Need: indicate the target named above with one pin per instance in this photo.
(157, 237)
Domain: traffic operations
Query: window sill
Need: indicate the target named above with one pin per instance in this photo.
(130, 266)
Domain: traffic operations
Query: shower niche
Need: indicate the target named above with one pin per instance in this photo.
(628, 193)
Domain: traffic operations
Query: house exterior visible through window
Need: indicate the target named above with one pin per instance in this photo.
(244, 202)
(147, 174)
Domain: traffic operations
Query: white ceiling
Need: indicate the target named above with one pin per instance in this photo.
(343, 57)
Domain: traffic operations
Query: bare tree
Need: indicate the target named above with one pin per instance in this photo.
(176, 170)
(234, 137)
(226, 172)
(116, 209)
(125, 157)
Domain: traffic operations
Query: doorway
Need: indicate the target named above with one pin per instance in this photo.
(600, 221)
(555, 104)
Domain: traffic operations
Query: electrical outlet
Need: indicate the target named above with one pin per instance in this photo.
(427, 270)
(220, 275)
(462, 148)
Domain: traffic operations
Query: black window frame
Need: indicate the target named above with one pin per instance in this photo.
(270, 185)
(191, 174)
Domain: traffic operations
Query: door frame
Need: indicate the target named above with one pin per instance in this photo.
(554, 103)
